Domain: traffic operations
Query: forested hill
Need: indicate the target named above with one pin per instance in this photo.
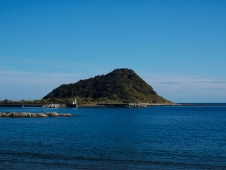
(120, 85)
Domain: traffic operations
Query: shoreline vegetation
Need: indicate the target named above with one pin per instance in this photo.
(81, 102)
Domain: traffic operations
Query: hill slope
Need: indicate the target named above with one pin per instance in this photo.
(120, 85)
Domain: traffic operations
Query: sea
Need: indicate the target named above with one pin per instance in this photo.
(157, 137)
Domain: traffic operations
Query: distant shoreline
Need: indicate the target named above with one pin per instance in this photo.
(166, 104)
(148, 105)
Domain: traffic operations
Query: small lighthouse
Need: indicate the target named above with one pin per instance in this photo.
(75, 103)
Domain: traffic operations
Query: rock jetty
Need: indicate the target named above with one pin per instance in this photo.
(135, 105)
(31, 115)
(54, 106)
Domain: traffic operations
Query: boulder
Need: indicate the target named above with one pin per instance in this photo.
(10, 114)
(7, 114)
(66, 114)
(52, 114)
(16, 114)
(23, 114)
(33, 115)
(41, 115)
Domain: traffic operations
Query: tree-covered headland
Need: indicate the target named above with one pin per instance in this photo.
(118, 86)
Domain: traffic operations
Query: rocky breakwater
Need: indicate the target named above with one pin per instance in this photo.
(33, 115)
(54, 106)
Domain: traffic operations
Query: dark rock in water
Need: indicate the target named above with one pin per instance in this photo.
(41, 115)
(19, 114)
(8, 114)
(16, 114)
(5, 115)
(52, 114)
(66, 114)
(31, 115)
(23, 114)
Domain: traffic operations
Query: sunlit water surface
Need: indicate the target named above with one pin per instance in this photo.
(174, 137)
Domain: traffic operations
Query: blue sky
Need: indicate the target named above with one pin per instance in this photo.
(176, 46)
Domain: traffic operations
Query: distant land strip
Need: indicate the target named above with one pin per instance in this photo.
(117, 104)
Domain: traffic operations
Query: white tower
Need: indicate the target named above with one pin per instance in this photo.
(75, 101)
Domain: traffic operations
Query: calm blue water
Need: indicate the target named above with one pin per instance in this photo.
(116, 138)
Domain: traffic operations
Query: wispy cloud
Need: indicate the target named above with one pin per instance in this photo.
(17, 85)
(4, 68)
(169, 83)
(219, 82)
(35, 77)
(184, 82)
(220, 88)
(180, 88)
(200, 81)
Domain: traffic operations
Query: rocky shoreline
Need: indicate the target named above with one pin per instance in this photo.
(33, 115)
